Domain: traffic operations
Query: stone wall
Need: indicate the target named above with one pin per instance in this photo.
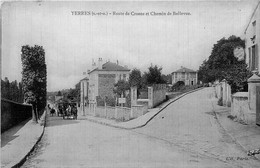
(13, 113)
(138, 110)
(240, 108)
(156, 95)
(159, 94)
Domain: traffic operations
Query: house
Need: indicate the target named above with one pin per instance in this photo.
(252, 39)
(103, 77)
(84, 86)
(188, 76)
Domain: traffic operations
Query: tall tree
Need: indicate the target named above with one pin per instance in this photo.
(154, 75)
(135, 78)
(34, 77)
(11, 90)
(222, 64)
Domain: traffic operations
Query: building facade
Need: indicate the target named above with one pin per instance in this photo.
(103, 77)
(252, 39)
(188, 76)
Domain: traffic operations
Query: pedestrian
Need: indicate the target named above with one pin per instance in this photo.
(52, 111)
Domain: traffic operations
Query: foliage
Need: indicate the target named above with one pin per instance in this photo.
(177, 86)
(237, 76)
(222, 64)
(74, 94)
(59, 93)
(135, 78)
(110, 101)
(121, 87)
(34, 75)
(153, 76)
(167, 78)
(12, 91)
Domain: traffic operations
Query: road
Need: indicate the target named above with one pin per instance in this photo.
(185, 134)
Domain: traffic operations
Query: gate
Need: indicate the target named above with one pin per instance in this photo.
(258, 105)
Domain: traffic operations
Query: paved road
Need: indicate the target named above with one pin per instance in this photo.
(185, 134)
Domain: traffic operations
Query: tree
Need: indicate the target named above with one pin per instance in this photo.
(135, 78)
(222, 64)
(59, 93)
(11, 91)
(34, 77)
(121, 87)
(153, 76)
(167, 78)
(74, 94)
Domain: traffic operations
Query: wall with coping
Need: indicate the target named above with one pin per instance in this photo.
(138, 110)
(119, 113)
(240, 108)
(13, 113)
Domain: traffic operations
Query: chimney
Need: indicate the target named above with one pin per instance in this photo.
(100, 63)
(117, 62)
(93, 64)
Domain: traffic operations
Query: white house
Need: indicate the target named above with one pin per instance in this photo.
(188, 76)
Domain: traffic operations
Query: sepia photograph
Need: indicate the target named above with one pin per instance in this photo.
(130, 84)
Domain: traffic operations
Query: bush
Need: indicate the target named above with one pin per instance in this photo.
(111, 101)
(178, 86)
(100, 101)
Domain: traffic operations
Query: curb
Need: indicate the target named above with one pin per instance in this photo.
(140, 126)
(42, 122)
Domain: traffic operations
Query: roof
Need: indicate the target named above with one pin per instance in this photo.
(252, 16)
(110, 66)
(183, 69)
(86, 78)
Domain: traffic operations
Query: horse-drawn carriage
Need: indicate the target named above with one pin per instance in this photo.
(67, 110)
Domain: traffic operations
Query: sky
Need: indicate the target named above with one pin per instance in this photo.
(72, 41)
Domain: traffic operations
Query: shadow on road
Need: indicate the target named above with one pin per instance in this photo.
(59, 121)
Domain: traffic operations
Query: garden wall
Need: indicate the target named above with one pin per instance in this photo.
(13, 113)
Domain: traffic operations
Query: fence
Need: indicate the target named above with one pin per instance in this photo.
(117, 112)
(13, 113)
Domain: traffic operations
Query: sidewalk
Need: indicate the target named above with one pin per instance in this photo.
(19, 141)
(247, 136)
(137, 122)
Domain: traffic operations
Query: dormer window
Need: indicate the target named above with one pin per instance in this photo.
(254, 27)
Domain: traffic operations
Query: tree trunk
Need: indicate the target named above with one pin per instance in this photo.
(34, 116)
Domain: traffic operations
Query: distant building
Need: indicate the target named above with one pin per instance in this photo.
(252, 39)
(103, 77)
(188, 76)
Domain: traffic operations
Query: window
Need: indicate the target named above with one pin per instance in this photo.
(254, 27)
(124, 77)
(253, 58)
(183, 75)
